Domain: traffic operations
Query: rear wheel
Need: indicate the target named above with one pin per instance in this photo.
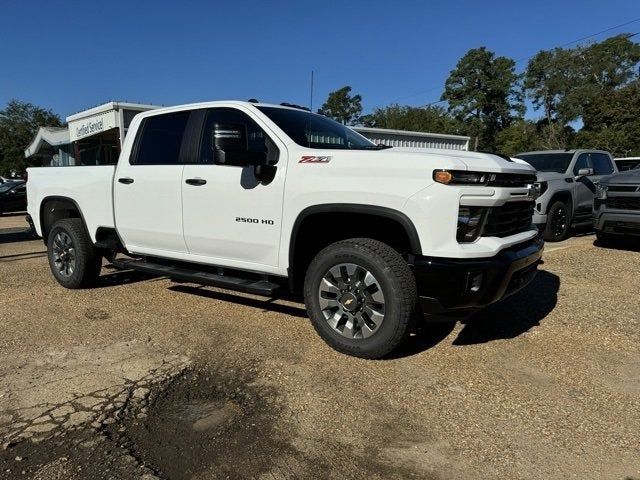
(558, 222)
(74, 261)
(361, 297)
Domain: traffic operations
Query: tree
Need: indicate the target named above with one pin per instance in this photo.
(564, 83)
(342, 106)
(612, 122)
(550, 78)
(433, 119)
(484, 92)
(19, 122)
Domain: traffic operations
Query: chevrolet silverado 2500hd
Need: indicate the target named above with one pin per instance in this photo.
(263, 198)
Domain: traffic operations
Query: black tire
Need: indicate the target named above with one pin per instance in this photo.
(86, 259)
(393, 277)
(558, 222)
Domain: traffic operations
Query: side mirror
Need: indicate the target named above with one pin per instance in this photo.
(584, 172)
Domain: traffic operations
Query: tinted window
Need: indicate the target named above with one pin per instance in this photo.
(582, 162)
(160, 139)
(601, 164)
(548, 162)
(226, 120)
(21, 189)
(315, 131)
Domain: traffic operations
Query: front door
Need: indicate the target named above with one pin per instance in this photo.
(601, 165)
(230, 218)
(147, 188)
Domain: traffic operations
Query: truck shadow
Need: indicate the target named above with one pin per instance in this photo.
(507, 319)
(628, 244)
(515, 315)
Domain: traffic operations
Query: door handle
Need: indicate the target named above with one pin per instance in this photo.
(195, 181)
(126, 180)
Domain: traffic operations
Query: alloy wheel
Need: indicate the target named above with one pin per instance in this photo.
(64, 254)
(351, 300)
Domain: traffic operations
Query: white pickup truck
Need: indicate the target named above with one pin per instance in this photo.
(265, 198)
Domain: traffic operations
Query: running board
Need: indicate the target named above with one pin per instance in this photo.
(256, 287)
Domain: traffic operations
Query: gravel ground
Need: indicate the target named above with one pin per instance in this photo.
(194, 382)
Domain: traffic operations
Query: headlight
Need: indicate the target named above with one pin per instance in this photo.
(540, 187)
(470, 221)
(601, 191)
(453, 177)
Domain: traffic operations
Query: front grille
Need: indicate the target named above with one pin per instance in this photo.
(511, 180)
(623, 203)
(509, 219)
(623, 188)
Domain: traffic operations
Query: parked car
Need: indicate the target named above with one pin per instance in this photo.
(566, 180)
(628, 163)
(264, 198)
(13, 196)
(616, 209)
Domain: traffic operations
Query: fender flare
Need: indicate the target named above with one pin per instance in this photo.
(386, 212)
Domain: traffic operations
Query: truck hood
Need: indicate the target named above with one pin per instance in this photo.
(628, 177)
(473, 161)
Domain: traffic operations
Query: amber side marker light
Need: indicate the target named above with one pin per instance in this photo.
(442, 176)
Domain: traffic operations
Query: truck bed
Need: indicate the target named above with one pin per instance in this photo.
(89, 186)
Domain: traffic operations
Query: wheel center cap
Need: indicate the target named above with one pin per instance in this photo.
(349, 301)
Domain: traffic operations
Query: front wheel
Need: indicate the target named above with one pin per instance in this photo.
(361, 297)
(73, 259)
(558, 222)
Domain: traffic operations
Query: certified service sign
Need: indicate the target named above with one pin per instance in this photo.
(85, 127)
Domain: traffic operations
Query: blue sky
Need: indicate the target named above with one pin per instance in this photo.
(70, 56)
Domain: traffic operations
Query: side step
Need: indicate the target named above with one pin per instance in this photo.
(256, 287)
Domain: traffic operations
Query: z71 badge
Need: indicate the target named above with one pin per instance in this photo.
(314, 159)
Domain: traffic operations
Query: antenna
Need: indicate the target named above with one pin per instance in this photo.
(311, 99)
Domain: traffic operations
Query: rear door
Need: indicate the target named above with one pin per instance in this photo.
(230, 218)
(147, 188)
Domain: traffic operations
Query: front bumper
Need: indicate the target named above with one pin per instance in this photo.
(539, 220)
(448, 287)
(617, 222)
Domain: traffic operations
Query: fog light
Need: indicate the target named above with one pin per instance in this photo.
(470, 220)
(474, 282)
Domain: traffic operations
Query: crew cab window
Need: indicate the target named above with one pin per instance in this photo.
(160, 139)
(601, 164)
(221, 121)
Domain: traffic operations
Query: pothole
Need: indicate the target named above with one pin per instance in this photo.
(206, 424)
(199, 424)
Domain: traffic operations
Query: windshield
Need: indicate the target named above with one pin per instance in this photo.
(315, 131)
(548, 162)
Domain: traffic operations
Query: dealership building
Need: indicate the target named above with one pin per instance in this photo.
(95, 137)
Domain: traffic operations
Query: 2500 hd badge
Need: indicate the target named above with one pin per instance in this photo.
(263, 221)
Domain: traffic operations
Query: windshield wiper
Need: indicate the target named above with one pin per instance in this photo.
(380, 146)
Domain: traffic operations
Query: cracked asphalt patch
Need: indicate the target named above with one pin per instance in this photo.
(543, 385)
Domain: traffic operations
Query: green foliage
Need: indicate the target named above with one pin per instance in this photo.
(612, 122)
(342, 106)
(484, 92)
(19, 122)
(417, 119)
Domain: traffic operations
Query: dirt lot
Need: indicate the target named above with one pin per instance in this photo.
(145, 378)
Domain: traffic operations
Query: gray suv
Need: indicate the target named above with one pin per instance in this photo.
(616, 209)
(567, 181)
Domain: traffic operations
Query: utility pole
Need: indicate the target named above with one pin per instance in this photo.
(311, 99)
